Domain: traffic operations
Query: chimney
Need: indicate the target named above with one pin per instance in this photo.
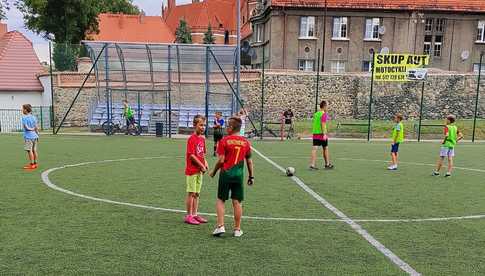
(3, 29)
(195, 1)
(141, 17)
(171, 4)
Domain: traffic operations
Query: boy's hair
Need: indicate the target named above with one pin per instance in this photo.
(27, 107)
(399, 116)
(125, 101)
(451, 118)
(235, 123)
(197, 119)
(323, 104)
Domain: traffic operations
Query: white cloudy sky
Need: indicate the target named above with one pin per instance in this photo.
(15, 22)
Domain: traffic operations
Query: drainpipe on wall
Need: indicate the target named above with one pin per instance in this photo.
(284, 37)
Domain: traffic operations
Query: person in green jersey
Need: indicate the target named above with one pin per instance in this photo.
(129, 116)
(397, 139)
(320, 136)
(452, 136)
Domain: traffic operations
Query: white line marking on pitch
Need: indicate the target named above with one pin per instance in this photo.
(357, 228)
(46, 180)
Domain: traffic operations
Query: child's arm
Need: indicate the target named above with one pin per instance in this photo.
(195, 160)
(219, 164)
(249, 163)
(460, 136)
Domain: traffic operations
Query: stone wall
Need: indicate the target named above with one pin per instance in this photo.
(348, 96)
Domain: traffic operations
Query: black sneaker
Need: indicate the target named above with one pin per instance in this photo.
(329, 167)
(448, 175)
(435, 174)
(312, 168)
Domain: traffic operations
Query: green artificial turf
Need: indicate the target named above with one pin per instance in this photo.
(46, 232)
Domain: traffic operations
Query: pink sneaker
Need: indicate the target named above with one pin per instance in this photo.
(200, 219)
(191, 220)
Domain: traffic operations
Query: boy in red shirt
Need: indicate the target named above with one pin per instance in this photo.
(196, 166)
(233, 150)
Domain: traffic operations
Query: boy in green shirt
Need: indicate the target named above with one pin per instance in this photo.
(129, 116)
(452, 136)
(397, 139)
(320, 136)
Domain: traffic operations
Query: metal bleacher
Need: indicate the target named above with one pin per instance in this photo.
(152, 113)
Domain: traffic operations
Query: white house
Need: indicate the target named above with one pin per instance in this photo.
(19, 84)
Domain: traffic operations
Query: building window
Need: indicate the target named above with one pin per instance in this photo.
(476, 67)
(481, 31)
(440, 25)
(307, 65)
(337, 66)
(307, 26)
(372, 28)
(367, 66)
(428, 40)
(428, 25)
(438, 43)
(340, 27)
(226, 37)
(259, 31)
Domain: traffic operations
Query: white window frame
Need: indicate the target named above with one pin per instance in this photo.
(481, 31)
(259, 31)
(429, 44)
(304, 65)
(372, 26)
(476, 66)
(307, 27)
(370, 66)
(340, 28)
(439, 52)
(428, 24)
(440, 23)
(337, 66)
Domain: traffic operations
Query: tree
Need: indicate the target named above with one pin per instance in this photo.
(64, 56)
(69, 20)
(209, 36)
(4, 6)
(182, 33)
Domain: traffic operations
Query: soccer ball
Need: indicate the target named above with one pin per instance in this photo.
(290, 171)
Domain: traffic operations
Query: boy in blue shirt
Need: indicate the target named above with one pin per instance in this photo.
(31, 136)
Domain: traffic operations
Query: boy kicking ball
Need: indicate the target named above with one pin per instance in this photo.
(397, 139)
(233, 150)
(196, 166)
(31, 136)
(452, 136)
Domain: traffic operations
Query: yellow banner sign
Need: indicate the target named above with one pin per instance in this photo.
(400, 67)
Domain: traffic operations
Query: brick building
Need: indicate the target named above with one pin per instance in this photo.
(452, 32)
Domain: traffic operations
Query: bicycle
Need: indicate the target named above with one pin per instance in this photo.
(111, 128)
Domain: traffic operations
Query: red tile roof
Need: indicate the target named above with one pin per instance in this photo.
(435, 5)
(19, 64)
(132, 28)
(220, 14)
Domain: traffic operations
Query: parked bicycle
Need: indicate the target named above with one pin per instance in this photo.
(111, 128)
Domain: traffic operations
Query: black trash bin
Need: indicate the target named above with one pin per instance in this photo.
(159, 129)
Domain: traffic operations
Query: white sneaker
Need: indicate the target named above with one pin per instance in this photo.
(238, 233)
(392, 168)
(219, 231)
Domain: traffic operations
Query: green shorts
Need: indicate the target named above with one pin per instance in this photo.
(194, 183)
(231, 182)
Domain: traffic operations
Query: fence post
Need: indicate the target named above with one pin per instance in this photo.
(41, 119)
(53, 123)
(421, 112)
(170, 92)
(370, 98)
(318, 81)
(262, 96)
(207, 87)
(477, 97)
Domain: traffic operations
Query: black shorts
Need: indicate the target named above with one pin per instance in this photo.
(320, 143)
(218, 135)
(130, 121)
(288, 121)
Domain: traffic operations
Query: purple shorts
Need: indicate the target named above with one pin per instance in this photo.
(447, 152)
